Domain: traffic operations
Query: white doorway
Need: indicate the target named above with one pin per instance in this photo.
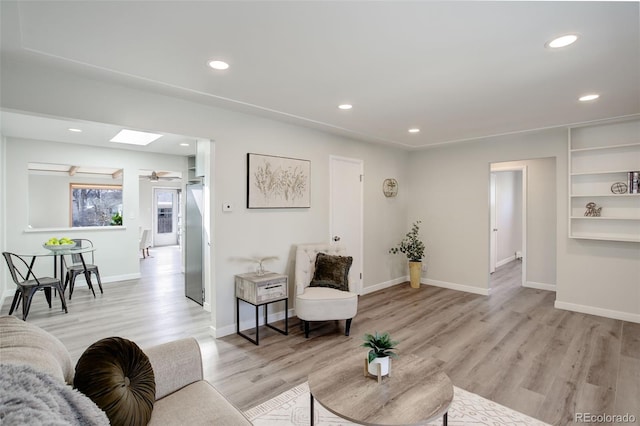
(166, 211)
(508, 216)
(346, 211)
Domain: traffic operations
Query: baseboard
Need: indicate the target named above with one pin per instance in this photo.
(250, 324)
(386, 284)
(454, 286)
(601, 312)
(80, 280)
(540, 286)
(8, 294)
(505, 261)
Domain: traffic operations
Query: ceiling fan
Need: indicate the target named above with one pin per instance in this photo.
(161, 175)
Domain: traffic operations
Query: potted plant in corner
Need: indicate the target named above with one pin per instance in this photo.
(381, 349)
(414, 249)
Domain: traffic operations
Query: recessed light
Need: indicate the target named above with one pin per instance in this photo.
(218, 65)
(72, 129)
(184, 144)
(345, 106)
(590, 97)
(562, 41)
(414, 130)
(134, 137)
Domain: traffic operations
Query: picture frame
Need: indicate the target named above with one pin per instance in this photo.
(278, 182)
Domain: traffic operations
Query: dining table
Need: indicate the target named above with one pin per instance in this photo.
(58, 260)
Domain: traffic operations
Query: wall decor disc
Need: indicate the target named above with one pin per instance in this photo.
(390, 187)
(619, 188)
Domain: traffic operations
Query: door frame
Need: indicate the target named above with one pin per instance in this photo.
(360, 162)
(493, 239)
(154, 212)
(496, 167)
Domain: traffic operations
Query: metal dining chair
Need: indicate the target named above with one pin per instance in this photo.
(27, 284)
(78, 267)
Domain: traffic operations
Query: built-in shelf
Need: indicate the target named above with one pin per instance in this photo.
(598, 148)
(605, 238)
(604, 218)
(605, 172)
(598, 158)
(604, 195)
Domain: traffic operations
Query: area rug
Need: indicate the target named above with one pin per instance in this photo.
(291, 408)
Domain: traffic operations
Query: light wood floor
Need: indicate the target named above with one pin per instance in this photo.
(512, 347)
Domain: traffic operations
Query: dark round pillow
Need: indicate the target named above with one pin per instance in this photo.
(116, 375)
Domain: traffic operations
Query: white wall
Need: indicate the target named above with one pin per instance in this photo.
(6, 284)
(242, 232)
(117, 248)
(597, 277)
(508, 215)
(446, 187)
(600, 277)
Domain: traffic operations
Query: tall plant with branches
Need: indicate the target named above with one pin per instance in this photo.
(411, 245)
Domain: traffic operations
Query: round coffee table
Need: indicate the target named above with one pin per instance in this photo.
(416, 392)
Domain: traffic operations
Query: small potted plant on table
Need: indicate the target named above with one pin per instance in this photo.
(381, 350)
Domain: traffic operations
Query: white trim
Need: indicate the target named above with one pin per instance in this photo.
(250, 324)
(206, 306)
(80, 280)
(495, 167)
(154, 213)
(505, 261)
(601, 312)
(540, 286)
(76, 229)
(383, 285)
(458, 287)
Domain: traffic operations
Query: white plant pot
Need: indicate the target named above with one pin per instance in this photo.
(384, 364)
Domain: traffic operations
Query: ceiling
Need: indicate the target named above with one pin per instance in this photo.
(34, 127)
(458, 71)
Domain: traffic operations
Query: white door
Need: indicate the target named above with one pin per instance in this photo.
(166, 212)
(493, 237)
(346, 211)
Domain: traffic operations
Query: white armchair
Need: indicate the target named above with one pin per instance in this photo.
(321, 303)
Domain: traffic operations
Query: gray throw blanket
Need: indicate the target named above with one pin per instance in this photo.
(30, 397)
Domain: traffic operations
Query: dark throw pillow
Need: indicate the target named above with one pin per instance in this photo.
(332, 271)
(116, 375)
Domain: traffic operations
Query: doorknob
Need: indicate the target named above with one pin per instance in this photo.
(336, 238)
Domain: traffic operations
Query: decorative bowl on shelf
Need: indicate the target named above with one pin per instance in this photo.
(59, 247)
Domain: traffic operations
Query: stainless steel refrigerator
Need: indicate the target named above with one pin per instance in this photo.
(194, 243)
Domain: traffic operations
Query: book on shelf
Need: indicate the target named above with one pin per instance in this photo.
(633, 183)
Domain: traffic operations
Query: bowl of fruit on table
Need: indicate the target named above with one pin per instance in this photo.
(55, 244)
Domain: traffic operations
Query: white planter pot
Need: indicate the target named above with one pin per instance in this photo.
(384, 364)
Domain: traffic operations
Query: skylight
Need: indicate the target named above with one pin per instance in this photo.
(134, 137)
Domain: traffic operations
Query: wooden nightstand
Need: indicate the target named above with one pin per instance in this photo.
(259, 290)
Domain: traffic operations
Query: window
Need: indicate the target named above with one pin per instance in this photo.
(96, 205)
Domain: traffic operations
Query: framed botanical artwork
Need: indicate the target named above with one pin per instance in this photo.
(277, 182)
